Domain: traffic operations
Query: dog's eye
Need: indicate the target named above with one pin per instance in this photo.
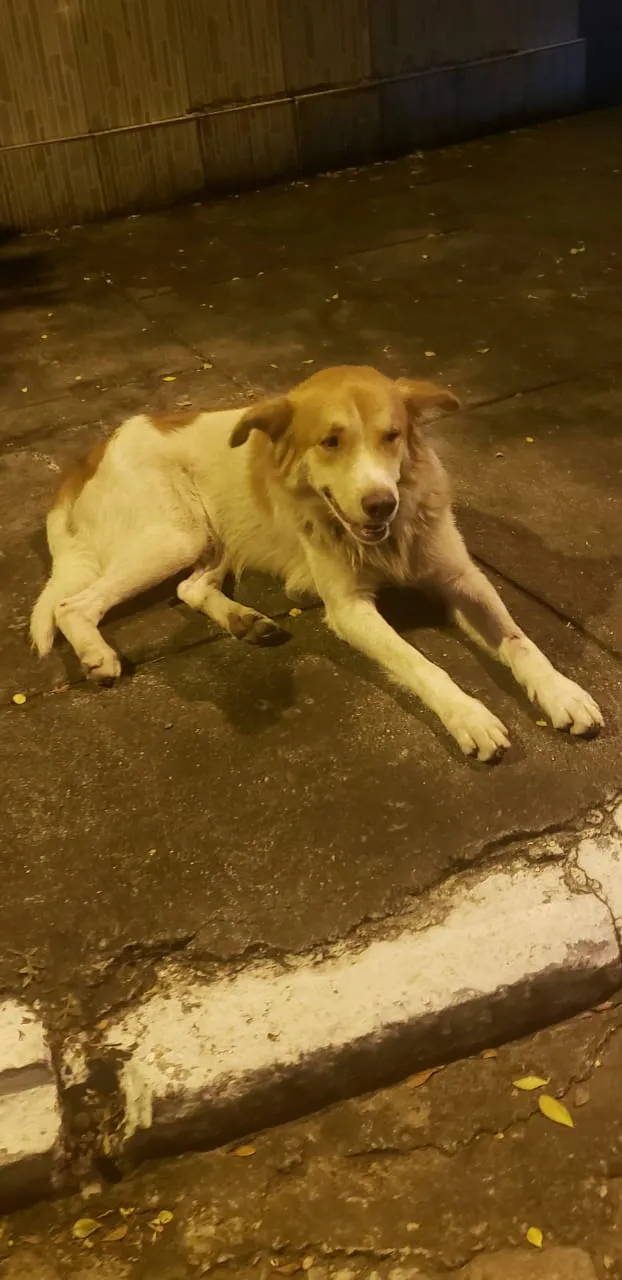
(331, 441)
(391, 436)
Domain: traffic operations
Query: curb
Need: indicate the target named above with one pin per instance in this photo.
(491, 955)
(30, 1114)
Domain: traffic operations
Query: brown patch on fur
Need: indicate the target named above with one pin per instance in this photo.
(261, 469)
(78, 473)
(174, 421)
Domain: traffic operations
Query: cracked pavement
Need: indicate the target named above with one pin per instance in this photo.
(224, 804)
(438, 1177)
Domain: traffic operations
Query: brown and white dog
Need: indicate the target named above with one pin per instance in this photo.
(335, 490)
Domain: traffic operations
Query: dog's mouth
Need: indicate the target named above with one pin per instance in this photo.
(363, 531)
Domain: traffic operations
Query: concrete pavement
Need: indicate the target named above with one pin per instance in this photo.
(222, 810)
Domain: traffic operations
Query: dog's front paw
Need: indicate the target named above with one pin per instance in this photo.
(568, 706)
(476, 730)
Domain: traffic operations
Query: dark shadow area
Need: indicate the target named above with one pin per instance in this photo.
(600, 25)
(26, 274)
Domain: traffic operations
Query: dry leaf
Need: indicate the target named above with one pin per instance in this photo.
(244, 1151)
(555, 1110)
(535, 1237)
(530, 1082)
(541, 724)
(490, 1053)
(482, 351)
(84, 1228)
(117, 1233)
(165, 1216)
(295, 613)
(604, 1006)
(127, 1213)
(307, 1262)
(285, 1268)
(429, 354)
(421, 1077)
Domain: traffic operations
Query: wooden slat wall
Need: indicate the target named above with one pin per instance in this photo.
(116, 105)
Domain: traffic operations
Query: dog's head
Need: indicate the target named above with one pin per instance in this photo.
(349, 434)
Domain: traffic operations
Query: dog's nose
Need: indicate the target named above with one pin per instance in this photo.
(380, 505)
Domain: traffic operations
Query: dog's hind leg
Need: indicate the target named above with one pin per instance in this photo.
(203, 591)
(156, 556)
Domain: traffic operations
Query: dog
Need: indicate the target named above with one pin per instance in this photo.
(334, 489)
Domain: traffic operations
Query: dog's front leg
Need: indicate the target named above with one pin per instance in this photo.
(481, 613)
(354, 618)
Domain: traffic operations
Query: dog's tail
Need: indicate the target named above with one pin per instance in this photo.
(69, 574)
(43, 620)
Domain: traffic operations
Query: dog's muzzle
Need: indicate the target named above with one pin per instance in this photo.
(365, 531)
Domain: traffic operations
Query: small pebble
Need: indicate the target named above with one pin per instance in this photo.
(19, 699)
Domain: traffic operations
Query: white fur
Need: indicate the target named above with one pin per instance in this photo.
(162, 501)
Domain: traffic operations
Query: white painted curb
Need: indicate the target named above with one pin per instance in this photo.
(30, 1121)
(489, 956)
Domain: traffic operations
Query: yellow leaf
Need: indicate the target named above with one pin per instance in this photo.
(295, 613)
(84, 1228)
(554, 1110)
(127, 1213)
(244, 1151)
(19, 699)
(530, 1082)
(541, 724)
(421, 1077)
(169, 377)
(535, 1237)
(165, 1216)
(117, 1233)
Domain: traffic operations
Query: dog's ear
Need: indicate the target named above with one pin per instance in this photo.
(425, 399)
(270, 416)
